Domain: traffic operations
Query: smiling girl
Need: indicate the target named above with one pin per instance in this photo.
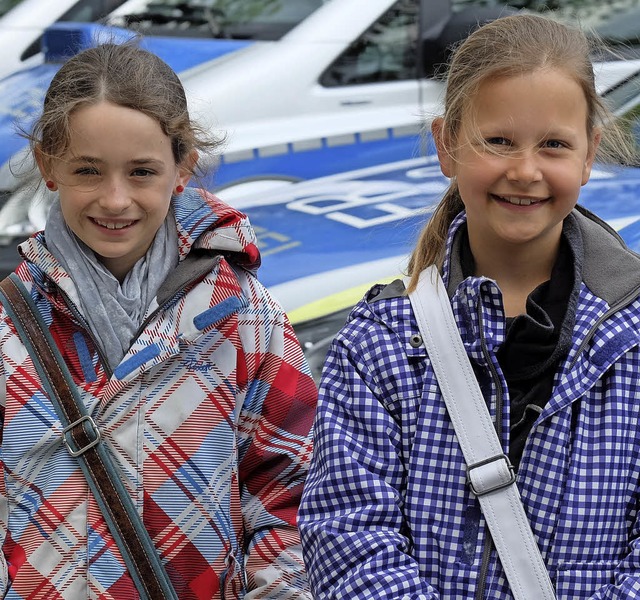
(545, 297)
(186, 365)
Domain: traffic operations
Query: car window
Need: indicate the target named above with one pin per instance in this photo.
(617, 23)
(7, 5)
(230, 19)
(385, 52)
(88, 11)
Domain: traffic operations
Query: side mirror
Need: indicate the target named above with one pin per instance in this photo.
(435, 51)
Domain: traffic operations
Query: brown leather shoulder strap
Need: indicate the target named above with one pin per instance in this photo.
(82, 438)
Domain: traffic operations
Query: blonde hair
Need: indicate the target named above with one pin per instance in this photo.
(509, 46)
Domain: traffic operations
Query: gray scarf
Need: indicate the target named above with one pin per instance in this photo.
(113, 311)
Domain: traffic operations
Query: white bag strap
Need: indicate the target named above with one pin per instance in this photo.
(489, 472)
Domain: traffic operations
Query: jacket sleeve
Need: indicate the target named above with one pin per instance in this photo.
(275, 450)
(351, 522)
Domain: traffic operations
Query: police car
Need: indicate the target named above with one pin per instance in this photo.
(303, 88)
(23, 21)
(324, 242)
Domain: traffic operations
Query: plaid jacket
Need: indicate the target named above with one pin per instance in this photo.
(207, 416)
(386, 512)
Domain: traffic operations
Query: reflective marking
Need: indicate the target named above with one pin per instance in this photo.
(303, 145)
(374, 135)
(275, 150)
(238, 156)
(346, 139)
(334, 303)
(405, 130)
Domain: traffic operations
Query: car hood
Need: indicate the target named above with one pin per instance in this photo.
(22, 93)
(331, 238)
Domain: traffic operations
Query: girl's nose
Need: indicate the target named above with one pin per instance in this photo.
(115, 197)
(524, 168)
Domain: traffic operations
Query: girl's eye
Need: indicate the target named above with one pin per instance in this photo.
(86, 171)
(142, 172)
(554, 144)
(498, 141)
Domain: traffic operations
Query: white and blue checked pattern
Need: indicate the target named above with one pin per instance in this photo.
(386, 512)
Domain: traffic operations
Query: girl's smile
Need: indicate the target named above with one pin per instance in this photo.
(519, 200)
(113, 225)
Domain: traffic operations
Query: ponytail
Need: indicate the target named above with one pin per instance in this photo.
(431, 245)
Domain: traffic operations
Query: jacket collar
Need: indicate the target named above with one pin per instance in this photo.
(610, 274)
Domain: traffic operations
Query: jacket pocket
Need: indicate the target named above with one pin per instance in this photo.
(583, 579)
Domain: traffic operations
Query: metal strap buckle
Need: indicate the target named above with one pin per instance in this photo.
(499, 484)
(68, 439)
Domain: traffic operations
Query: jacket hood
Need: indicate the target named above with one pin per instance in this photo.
(205, 223)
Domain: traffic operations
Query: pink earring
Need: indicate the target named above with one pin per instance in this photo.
(50, 184)
(179, 189)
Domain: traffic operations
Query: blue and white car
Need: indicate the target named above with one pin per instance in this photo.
(324, 242)
(303, 88)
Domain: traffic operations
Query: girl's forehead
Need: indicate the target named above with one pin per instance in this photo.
(511, 94)
(533, 104)
(115, 132)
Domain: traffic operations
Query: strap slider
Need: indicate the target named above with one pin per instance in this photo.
(93, 434)
(490, 475)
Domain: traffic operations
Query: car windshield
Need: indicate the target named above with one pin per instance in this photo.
(617, 23)
(231, 19)
(7, 5)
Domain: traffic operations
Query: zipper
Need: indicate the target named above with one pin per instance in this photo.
(171, 299)
(488, 543)
(87, 330)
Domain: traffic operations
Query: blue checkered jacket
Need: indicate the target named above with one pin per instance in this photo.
(386, 512)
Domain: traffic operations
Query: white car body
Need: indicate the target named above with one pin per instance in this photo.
(285, 102)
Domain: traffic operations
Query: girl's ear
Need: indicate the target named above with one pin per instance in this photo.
(44, 166)
(43, 163)
(441, 139)
(186, 168)
(591, 154)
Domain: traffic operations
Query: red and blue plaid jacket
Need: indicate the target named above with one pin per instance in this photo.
(207, 417)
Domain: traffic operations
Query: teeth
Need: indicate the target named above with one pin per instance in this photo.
(518, 201)
(110, 225)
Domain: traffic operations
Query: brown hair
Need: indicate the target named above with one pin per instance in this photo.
(513, 45)
(124, 75)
